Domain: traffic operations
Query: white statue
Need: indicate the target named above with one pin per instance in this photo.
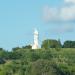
(35, 45)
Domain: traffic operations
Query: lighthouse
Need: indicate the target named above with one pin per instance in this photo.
(36, 36)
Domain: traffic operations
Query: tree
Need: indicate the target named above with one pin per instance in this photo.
(3, 54)
(50, 44)
(16, 48)
(2, 61)
(69, 44)
(27, 47)
(1, 49)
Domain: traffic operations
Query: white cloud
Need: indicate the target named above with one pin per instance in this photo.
(67, 13)
(49, 13)
(69, 1)
(64, 13)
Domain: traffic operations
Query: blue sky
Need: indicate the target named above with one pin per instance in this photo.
(54, 19)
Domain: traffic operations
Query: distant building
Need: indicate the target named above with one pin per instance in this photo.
(36, 36)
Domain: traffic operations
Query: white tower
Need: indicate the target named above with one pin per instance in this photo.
(35, 45)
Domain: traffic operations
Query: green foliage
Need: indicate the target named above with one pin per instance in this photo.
(46, 44)
(38, 62)
(42, 67)
(51, 59)
(69, 44)
(49, 43)
(27, 47)
(16, 48)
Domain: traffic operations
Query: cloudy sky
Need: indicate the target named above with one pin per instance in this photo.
(54, 19)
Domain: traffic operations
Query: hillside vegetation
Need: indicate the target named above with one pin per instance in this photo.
(38, 62)
(52, 59)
